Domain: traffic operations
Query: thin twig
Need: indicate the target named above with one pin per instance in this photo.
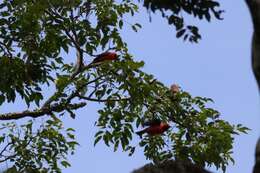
(8, 158)
(1, 153)
(6, 49)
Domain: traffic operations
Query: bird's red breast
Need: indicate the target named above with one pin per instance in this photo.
(155, 129)
(159, 129)
(105, 56)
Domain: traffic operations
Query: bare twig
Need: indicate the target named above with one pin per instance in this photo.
(5, 49)
(4, 149)
(8, 158)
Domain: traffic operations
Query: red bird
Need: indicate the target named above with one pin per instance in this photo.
(155, 128)
(105, 56)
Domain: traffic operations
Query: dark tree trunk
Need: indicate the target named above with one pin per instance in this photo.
(171, 166)
(254, 8)
(257, 158)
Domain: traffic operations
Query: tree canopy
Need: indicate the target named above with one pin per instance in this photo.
(53, 44)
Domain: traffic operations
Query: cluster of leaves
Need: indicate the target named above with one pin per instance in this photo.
(173, 11)
(25, 48)
(33, 33)
(38, 31)
(197, 134)
(34, 148)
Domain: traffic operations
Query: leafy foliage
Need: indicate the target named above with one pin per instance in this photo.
(197, 134)
(174, 12)
(35, 148)
(34, 38)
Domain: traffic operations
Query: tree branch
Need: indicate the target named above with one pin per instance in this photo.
(80, 67)
(4, 149)
(79, 63)
(41, 112)
(8, 158)
(102, 100)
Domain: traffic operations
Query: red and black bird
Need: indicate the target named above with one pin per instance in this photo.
(155, 127)
(106, 56)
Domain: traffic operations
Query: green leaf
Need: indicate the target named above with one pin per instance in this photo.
(97, 140)
(180, 33)
(116, 145)
(134, 28)
(65, 164)
(98, 133)
(70, 129)
(120, 24)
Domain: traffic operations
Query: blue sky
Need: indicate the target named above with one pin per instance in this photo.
(218, 67)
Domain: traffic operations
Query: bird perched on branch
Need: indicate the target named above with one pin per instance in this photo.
(106, 56)
(175, 88)
(156, 127)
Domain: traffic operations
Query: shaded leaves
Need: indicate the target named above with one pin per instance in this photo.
(173, 11)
